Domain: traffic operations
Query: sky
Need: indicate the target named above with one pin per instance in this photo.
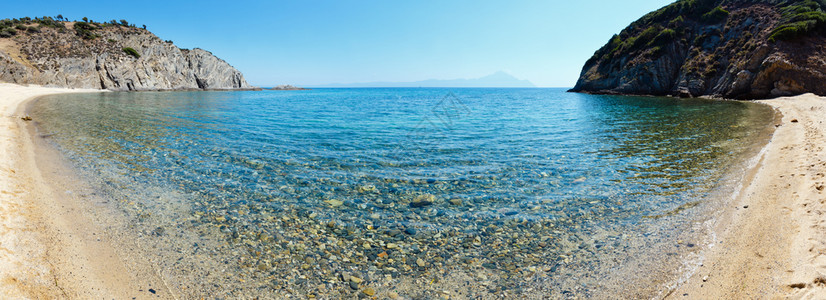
(317, 42)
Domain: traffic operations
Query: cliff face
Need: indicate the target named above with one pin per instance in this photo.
(98, 56)
(739, 49)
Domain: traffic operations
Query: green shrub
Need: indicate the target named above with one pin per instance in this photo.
(85, 30)
(676, 22)
(8, 32)
(132, 52)
(798, 20)
(664, 37)
(33, 29)
(49, 22)
(716, 15)
(792, 31)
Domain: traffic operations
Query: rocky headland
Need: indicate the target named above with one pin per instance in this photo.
(737, 49)
(113, 55)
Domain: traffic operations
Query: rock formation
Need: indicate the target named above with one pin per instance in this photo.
(739, 49)
(105, 56)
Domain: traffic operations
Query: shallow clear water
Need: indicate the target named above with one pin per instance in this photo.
(474, 192)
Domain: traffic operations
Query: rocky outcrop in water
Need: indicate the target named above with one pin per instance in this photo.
(105, 56)
(735, 49)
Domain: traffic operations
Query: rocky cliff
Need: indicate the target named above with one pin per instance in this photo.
(739, 49)
(110, 56)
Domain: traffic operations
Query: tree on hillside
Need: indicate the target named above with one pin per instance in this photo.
(85, 19)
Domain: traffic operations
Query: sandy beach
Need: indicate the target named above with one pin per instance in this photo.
(49, 246)
(770, 241)
(24, 269)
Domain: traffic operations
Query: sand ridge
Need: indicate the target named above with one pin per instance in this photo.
(772, 238)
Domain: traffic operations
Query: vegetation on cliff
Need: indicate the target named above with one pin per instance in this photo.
(726, 48)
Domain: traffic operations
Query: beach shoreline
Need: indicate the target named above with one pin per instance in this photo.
(51, 247)
(769, 237)
(24, 268)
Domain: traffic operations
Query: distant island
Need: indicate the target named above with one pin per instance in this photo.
(730, 49)
(287, 87)
(498, 79)
(114, 55)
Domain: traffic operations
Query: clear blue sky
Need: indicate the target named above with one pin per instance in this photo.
(312, 42)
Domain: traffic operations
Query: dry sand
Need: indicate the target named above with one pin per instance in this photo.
(49, 246)
(772, 238)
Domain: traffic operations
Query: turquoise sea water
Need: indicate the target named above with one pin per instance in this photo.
(420, 192)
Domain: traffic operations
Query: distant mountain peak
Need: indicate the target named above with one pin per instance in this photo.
(496, 79)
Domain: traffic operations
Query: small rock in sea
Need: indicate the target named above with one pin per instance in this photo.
(431, 181)
(410, 231)
(369, 188)
(580, 180)
(354, 286)
(795, 121)
(456, 201)
(423, 200)
(355, 279)
(369, 291)
(26, 118)
(375, 216)
(334, 202)
(420, 262)
(287, 87)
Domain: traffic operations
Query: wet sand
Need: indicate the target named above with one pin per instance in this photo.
(771, 241)
(49, 246)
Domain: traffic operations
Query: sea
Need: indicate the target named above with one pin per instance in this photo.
(419, 193)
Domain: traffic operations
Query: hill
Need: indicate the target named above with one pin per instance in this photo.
(740, 49)
(112, 55)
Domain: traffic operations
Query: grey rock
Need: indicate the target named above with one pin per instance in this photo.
(62, 59)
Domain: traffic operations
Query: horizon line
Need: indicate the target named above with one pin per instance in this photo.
(416, 87)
